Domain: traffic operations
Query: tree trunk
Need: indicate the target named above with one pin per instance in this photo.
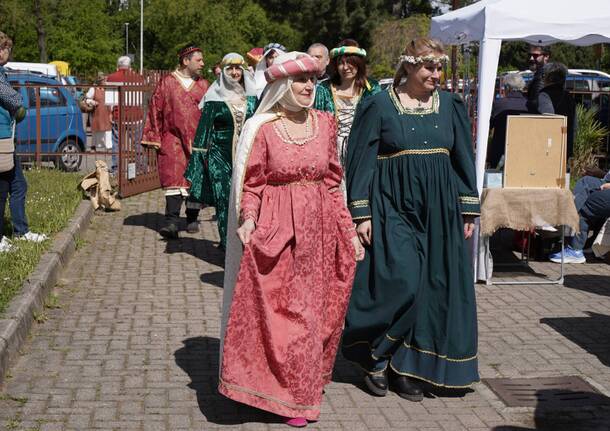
(42, 35)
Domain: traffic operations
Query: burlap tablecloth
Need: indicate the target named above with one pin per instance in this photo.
(523, 209)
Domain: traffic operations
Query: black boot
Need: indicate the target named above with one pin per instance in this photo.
(377, 383)
(408, 388)
(169, 232)
(192, 225)
(173, 204)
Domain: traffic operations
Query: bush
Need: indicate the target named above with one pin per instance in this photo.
(588, 140)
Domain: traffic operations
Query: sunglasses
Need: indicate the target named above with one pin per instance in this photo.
(534, 55)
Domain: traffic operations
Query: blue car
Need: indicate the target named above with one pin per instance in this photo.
(61, 122)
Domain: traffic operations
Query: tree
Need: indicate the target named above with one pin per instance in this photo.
(389, 39)
(40, 31)
(218, 27)
(68, 30)
(329, 21)
(89, 35)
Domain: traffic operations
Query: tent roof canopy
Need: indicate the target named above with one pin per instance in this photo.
(540, 22)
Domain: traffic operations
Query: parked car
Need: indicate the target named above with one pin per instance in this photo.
(61, 122)
(577, 80)
(40, 68)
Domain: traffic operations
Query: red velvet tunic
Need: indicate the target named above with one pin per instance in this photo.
(171, 123)
(295, 275)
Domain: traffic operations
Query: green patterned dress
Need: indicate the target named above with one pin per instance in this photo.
(325, 97)
(210, 166)
(344, 109)
(413, 303)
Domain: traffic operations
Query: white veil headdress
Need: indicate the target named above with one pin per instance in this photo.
(279, 91)
(226, 88)
(259, 71)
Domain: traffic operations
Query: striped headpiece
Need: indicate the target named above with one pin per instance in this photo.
(347, 50)
(189, 49)
(303, 64)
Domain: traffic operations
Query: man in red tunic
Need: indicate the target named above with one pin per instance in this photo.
(132, 105)
(171, 123)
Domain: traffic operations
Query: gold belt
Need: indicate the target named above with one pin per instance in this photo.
(421, 152)
(297, 183)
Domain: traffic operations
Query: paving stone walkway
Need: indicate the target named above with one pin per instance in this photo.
(131, 343)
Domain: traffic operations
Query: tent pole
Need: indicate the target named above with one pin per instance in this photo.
(454, 74)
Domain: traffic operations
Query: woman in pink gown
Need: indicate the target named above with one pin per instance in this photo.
(287, 297)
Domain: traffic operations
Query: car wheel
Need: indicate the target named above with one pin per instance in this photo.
(69, 159)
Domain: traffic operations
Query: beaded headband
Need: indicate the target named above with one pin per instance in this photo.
(428, 58)
(188, 50)
(347, 50)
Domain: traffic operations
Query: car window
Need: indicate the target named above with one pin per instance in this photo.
(49, 96)
(603, 83)
(577, 84)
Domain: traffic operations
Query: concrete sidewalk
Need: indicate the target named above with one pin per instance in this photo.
(134, 345)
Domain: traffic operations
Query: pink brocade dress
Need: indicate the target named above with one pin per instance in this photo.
(295, 276)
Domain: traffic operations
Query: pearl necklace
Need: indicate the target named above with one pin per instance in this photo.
(290, 138)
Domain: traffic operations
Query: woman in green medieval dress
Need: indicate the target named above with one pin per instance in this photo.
(229, 102)
(346, 89)
(412, 192)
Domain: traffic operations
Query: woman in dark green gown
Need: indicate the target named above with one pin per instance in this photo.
(412, 191)
(228, 103)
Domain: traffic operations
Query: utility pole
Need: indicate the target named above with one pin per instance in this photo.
(141, 36)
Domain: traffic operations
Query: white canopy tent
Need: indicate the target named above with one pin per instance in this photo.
(540, 22)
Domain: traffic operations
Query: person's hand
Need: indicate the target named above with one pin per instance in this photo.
(468, 226)
(605, 186)
(245, 231)
(365, 232)
(358, 249)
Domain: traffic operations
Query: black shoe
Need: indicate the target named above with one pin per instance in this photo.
(192, 227)
(170, 231)
(377, 383)
(408, 388)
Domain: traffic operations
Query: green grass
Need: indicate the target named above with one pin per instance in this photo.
(51, 200)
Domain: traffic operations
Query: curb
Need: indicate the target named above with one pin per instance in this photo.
(17, 320)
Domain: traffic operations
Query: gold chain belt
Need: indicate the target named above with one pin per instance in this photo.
(422, 152)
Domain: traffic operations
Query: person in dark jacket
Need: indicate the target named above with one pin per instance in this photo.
(555, 99)
(538, 57)
(513, 104)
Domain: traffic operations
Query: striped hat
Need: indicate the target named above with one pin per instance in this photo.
(302, 64)
(347, 50)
